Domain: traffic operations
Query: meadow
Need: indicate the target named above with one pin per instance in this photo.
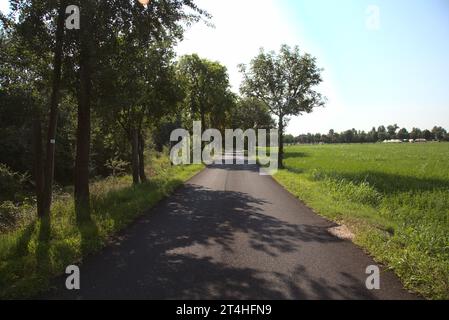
(394, 198)
(33, 254)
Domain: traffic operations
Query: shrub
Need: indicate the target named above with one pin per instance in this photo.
(11, 184)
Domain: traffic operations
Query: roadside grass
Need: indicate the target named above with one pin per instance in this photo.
(40, 250)
(394, 198)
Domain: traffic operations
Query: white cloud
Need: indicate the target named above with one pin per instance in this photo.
(241, 29)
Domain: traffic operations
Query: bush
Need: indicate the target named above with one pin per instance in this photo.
(11, 184)
(12, 216)
(117, 166)
(8, 215)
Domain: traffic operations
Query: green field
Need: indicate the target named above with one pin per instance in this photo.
(394, 198)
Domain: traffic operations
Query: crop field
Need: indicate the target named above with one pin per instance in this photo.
(394, 198)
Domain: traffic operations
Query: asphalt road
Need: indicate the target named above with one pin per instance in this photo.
(230, 233)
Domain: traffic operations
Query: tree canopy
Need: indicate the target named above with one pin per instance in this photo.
(286, 82)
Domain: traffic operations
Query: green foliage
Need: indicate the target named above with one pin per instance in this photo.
(12, 184)
(395, 198)
(284, 81)
(133, 77)
(207, 94)
(117, 166)
(161, 134)
(13, 216)
(379, 135)
(28, 261)
(120, 66)
(251, 113)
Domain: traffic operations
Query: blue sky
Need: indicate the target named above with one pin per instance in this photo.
(396, 72)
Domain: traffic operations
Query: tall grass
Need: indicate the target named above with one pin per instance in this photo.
(394, 197)
(32, 255)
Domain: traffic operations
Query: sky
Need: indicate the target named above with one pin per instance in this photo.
(384, 61)
(394, 69)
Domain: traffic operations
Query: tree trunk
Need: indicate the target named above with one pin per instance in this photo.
(53, 116)
(84, 126)
(135, 155)
(281, 143)
(143, 177)
(38, 165)
(203, 119)
(203, 126)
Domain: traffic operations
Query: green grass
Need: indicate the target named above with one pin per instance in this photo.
(395, 198)
(32, 255)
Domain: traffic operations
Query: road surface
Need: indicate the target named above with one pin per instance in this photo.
(230, 233)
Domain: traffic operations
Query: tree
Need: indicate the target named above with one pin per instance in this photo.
(373, 136)
(331, 136)
(392, 131)
(83, 133)
(206, 89)
(46, 196)
(403, 134)
(285, 82)
(139, 26)
(426, 134)
(348, 136)
(143, 89)
(416, 133)
(38, 36)
(290, 139)
(439, 133)
(382, 133)
(251, 113)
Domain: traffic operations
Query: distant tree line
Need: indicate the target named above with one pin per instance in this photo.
(382, 133)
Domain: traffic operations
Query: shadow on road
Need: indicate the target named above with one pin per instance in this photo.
(155, 259)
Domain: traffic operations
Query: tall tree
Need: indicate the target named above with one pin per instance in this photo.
(392, 129)
(439, 133)
(46, 196)
(251, 113)
(382, 133)
(137, 56)
(83, 133)
(207, 90)
(138, 86)
(416, 133)
(40, 27)
(285, 82)
(403, 134)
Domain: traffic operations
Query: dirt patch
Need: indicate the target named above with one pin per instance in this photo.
(341, 232)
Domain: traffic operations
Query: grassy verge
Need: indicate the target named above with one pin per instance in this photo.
(395, 199)
(32, 255)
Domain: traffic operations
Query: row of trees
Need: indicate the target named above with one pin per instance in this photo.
(75, 101)
(380, 134)
(92, 90)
